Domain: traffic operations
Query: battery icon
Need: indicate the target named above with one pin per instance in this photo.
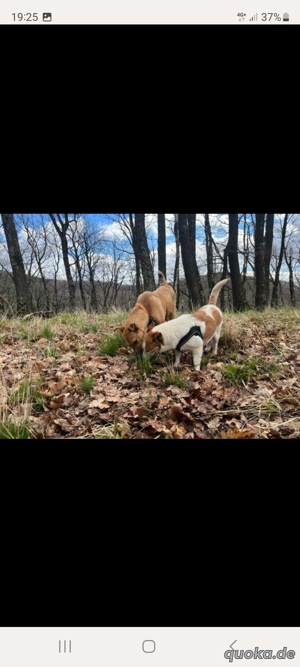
(286, 17)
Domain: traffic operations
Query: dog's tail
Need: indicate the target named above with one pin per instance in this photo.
(216, 290)
(162, 280)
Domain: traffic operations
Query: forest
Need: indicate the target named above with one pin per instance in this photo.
(67, 283)
(56, 262)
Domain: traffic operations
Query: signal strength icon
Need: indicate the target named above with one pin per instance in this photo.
(253, 18)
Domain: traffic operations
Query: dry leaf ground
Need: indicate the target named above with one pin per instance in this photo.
(56, 383)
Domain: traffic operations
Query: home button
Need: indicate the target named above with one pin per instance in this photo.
(148, 646)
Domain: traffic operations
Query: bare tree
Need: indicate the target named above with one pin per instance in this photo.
(263, 242)
(177, 260)
(290, 262)
(77, 252)
(161, 243)
(37, 240)
(238, 295)
(144, 255)
(191, 219)
(16, 260)
(268, 251)
(55, 263)
(90, 247)
(128, 228)
(111, 280)
(259, 262)
(186, 226)
(274, 298)
(209, 251)
(62, 227)
(246, 234)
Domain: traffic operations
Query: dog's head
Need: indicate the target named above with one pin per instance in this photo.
(153, 341)
(133, 335)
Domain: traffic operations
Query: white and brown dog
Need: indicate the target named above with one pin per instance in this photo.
(189, 332)
(151, 308)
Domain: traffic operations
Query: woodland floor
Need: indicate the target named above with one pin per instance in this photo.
(72, 376)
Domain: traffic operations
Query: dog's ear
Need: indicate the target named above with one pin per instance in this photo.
(133, 327)
(151, 326)
(158, 336)
(120, 328)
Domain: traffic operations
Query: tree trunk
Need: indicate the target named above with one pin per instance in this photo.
(94, 303)
(192, 232)
(161, 243)
(80, 277)
(274, 299)
(44, 281)
(245, 251)
(238, 295)
(268, 252)
(62, 232)
(209, 252)
(135, 247)
(177, 259)
(16, 260)
(223, 276)
(70, 281)
(259, 262)
(143, 252)
(289, 261)
(190, 267)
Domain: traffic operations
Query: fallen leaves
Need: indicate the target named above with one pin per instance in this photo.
(237, 434)
(123, 403)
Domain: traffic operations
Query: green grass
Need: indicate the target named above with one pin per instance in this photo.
(47, 332)
(172, 378)
(115, 431)
(86, 321)
(248, 370)
(20, 395)
(271, 406)
(110, 343)
(51, 351)
(87, 383)
(237, 374)
(143, 364)
(27, 392)
(10, 430)
(24, 334)
(268, 367)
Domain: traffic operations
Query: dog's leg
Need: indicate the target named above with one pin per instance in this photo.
(215, 339)
(177, 358)
(197, 356)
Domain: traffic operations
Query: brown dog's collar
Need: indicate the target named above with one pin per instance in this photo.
(151, 320)
(143, 308)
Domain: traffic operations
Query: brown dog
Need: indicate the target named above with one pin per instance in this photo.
(151, 308)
